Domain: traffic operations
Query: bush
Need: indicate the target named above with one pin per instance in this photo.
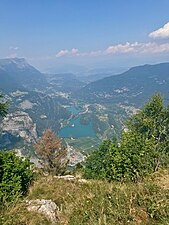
(98, 162)
(143, 149)
(15, 176)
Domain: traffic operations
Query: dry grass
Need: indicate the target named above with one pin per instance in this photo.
(97, 203)
(162, 179)
(18, 215)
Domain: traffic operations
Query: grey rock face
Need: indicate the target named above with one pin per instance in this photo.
(20, 123)
(46, 207)
(72, 178)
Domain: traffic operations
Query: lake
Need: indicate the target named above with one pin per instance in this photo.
(75, 129)
(74, 110)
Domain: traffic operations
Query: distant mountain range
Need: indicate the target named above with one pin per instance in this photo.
(39, 101)
(133, 86)
(65, 82)
(17, 73)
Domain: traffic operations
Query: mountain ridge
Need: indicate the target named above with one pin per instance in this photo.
(136, 84)
(20, 73)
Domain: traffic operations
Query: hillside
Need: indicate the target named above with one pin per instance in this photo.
(7, 83)
(64, 82)
(16, 72)
(132, 87)
(96, 202)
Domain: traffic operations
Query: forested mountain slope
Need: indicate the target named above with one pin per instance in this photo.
(133, 86)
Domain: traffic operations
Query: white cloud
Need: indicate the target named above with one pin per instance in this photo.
(120, 48)
(72, 52)
(161, 33)
(62, 53)
(126, 48)
(149, 47)
(14, 48)
(153, 47)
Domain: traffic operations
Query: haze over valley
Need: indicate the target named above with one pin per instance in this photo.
(81, 112)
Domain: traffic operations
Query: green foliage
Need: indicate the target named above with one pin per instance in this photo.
(152, 124)
(15, 176)
(143, 149)
(95, 165)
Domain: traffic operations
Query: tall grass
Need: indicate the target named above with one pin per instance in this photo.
(97, 202)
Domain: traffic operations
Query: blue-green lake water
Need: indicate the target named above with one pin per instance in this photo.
(74, 110)
(75, 129)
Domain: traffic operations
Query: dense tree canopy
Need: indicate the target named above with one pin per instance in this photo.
(143, 148)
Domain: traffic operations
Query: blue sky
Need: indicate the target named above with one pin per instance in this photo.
(90, 33)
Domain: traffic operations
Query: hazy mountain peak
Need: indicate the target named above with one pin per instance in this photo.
(22, 73)
(20, 63)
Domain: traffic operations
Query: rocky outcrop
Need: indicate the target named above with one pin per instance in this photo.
(20, 124)
(72, 178)
(74, 156)
(26, 104)
(46, 207)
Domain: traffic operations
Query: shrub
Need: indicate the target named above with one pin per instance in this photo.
(15, 176)
(143, 149)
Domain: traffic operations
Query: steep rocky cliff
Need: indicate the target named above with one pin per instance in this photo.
(18, 126)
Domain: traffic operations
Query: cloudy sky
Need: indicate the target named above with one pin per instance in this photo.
(90, 33)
